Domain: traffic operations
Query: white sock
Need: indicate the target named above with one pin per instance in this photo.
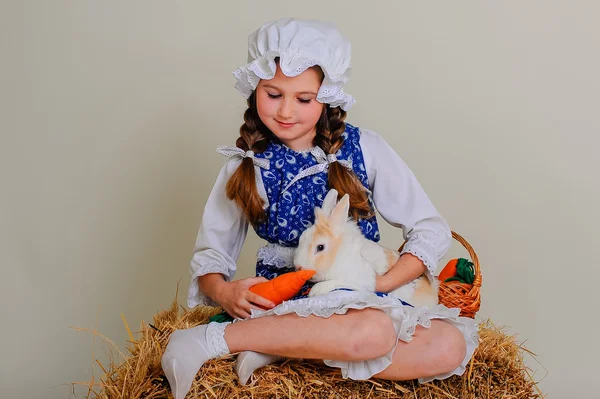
(248, 362)
(188, 350)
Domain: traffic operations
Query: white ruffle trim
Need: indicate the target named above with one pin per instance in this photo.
(428, 248)
(197, 297)
(331, 90)
(405, 320)
(276, 255)
(215, 334)
(431, 267)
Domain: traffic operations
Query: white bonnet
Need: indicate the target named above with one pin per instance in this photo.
(299, 44)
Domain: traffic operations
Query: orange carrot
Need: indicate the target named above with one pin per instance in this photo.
(449, 270)
(283, 287)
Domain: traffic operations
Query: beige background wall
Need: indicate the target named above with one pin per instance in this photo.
(111, 111)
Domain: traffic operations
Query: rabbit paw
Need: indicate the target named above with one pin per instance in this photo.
(325, 287)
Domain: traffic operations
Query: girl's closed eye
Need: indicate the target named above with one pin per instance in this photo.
(301, 100)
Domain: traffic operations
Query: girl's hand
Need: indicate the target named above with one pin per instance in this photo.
(236, 299)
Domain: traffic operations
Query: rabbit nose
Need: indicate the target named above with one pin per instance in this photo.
(298, 268)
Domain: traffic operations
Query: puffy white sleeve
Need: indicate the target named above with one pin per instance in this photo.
(221, 235)
(402, 202)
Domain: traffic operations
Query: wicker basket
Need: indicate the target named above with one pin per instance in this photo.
(455, 294)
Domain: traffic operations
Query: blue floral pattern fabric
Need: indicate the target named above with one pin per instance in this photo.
(292, 211)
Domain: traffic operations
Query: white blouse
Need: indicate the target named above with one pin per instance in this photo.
(399, 199)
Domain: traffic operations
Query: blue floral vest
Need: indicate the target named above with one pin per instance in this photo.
(291, 209)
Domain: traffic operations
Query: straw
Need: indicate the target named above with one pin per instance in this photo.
(497, 370)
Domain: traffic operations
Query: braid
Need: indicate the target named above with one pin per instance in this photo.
(241, 187)
(253, 133)
(329, 137)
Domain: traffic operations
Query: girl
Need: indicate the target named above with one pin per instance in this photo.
(293, 147)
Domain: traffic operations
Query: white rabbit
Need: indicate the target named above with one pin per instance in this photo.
(342, 257)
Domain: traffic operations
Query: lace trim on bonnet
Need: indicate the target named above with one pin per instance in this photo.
(299, 44)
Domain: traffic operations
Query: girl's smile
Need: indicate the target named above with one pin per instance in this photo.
(285, 125)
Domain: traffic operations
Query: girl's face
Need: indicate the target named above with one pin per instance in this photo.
(288, 107)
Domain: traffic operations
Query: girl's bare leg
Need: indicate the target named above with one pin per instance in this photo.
(358, 335)
(436, 350)
(355, 322)
(355, 336)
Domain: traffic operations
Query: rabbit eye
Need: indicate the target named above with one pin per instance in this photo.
(320, 247)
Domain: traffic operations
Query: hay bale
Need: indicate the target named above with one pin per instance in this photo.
(496, 371)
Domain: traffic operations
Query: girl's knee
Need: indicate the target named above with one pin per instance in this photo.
(453, 347)
(372, 335)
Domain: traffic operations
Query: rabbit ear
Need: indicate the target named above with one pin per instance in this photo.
(330, 201)
(328, 204)
(339, 215)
